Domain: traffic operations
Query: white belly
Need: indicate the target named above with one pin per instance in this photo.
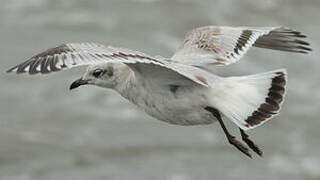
(184, 107)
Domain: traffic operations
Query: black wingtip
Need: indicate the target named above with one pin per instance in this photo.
(301, 36)
(302, 42)
(304, 48)
(11, 69)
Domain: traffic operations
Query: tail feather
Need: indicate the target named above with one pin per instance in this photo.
(272, 103)
(250, 101)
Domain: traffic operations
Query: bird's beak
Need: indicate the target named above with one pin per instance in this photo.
(77, 83)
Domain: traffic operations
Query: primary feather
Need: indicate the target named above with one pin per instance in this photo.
(219, 45)
(72, 55)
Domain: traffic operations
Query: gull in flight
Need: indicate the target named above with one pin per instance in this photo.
(179, 90)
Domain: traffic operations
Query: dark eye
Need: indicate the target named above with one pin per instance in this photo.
(98, 73)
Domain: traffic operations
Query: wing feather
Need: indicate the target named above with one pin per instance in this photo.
(71, 55)
(214, 45)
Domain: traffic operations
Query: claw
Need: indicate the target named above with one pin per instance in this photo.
(250, 143)
(232, 140)
(239, 146)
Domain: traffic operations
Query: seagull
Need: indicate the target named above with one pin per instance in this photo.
(181, 90)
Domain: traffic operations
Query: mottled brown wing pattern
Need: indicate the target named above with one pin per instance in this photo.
(213, 45)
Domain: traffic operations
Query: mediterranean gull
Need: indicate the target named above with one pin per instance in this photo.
(180, 90)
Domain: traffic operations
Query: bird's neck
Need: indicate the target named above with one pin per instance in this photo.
(125, 82)
(132, 89)
(130, 86)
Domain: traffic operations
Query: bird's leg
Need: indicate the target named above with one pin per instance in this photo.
(250, 143)
(232, 140)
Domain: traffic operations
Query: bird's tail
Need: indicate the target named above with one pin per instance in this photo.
(250, 101)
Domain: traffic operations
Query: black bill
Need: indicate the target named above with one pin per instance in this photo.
(77, 83)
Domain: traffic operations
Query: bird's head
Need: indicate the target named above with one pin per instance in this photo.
(107, 75)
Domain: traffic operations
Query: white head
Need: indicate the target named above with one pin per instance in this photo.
(108, 75)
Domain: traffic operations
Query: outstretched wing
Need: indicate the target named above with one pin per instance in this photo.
(214, 45)
(67, 56)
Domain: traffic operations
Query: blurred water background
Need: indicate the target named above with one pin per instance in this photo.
(48, 132)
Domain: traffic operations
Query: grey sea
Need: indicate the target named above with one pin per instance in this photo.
(48, 132)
